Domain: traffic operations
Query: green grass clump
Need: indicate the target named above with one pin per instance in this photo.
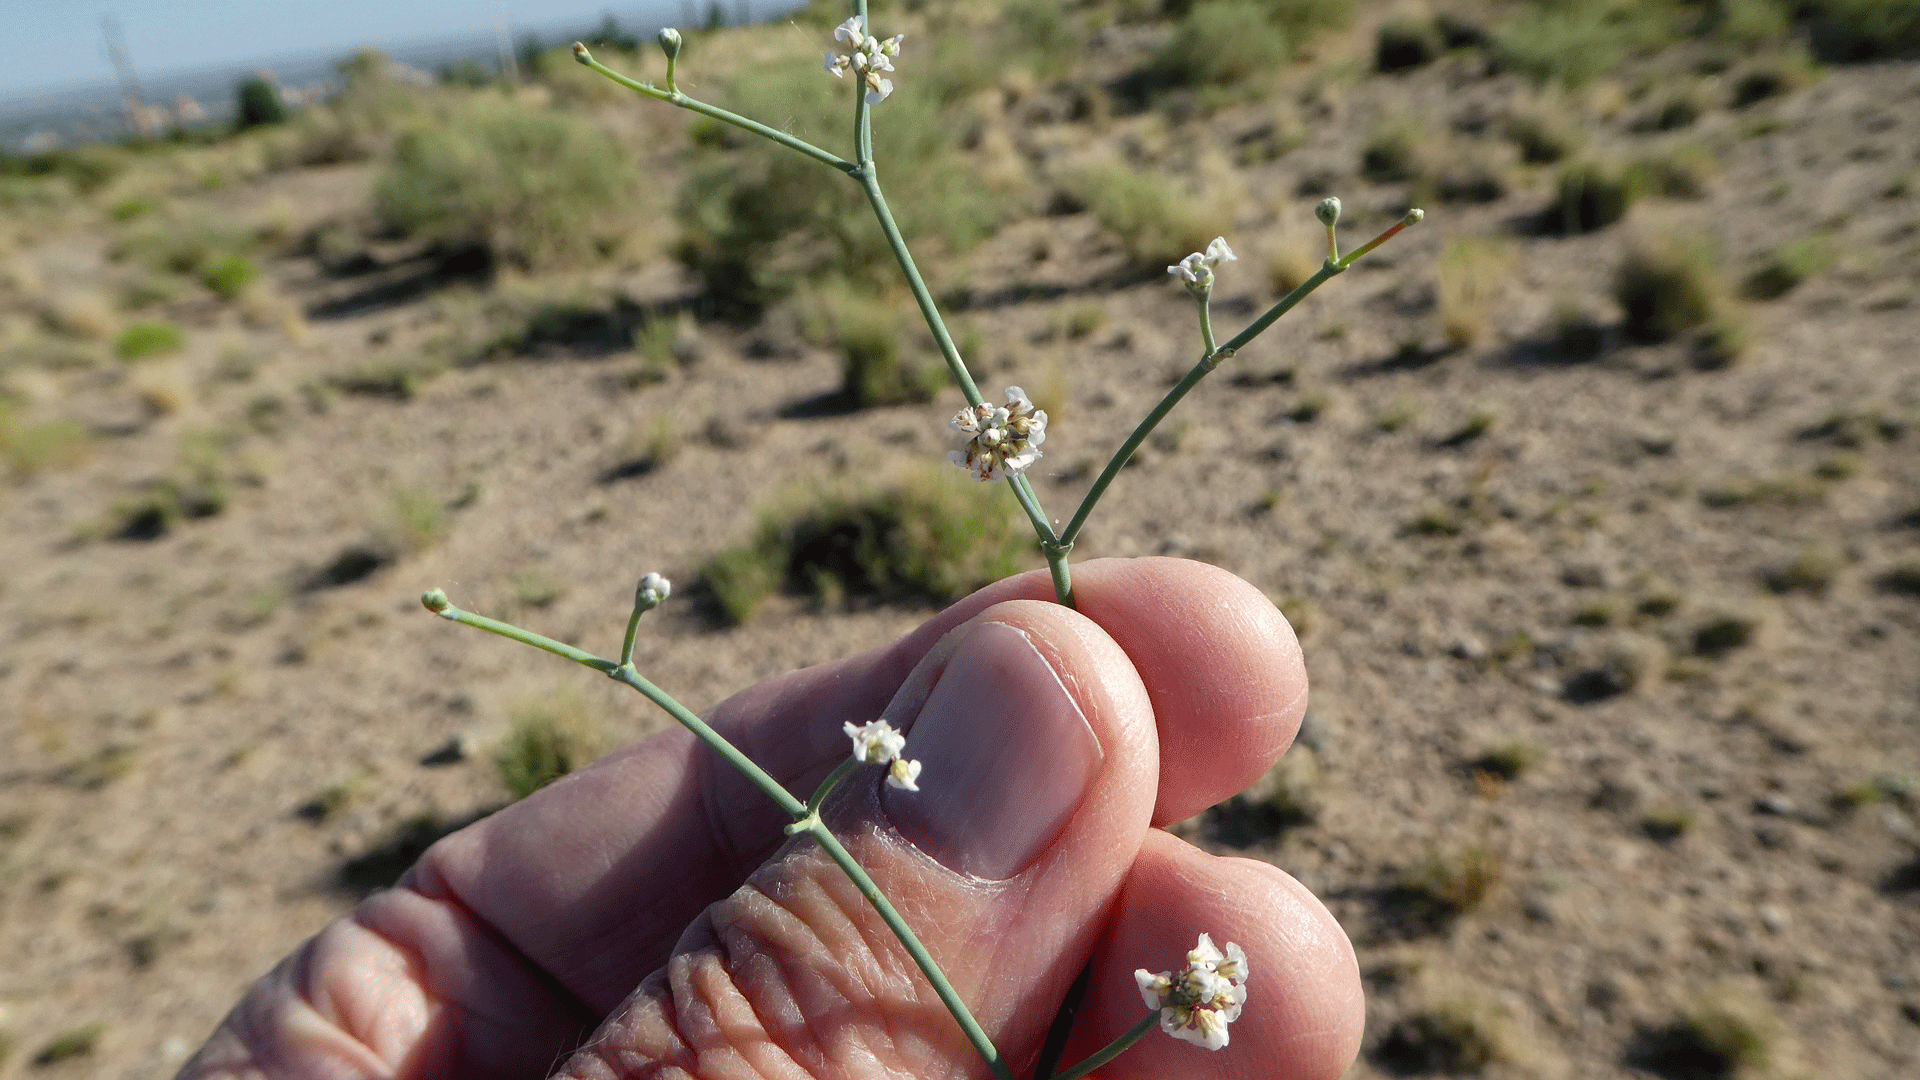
(229, 275)
(1848, 31)
(1157, 224)
(30, 447)
(1221, 44)
(549, 737)
(1391, 153)
(1786, 266)
(876, 366)
(537, 189)
(147, 339)
(1667, 286)
(1592, 194)
(1407, 41)
(1447, 1037)
(928, 538)
(1456, 882)
(70, 1044)
(756, 220)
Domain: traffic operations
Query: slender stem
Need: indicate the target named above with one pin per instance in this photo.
(1113, 1049)
(675, 97)
(1062, 1027)
(1030, 502)
(1205, 304)
(626, 674)
(633, 632)
(870, 183)
(526, 637)
(948, 995)
(1062, 572)
(1208, 362)
(832, 781)
(862, 115)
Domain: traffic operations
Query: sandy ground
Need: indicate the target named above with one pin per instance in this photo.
(1548, 810)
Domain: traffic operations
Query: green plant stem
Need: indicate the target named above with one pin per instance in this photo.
(1113, 1049)
(1211, 360)
(633, 632)
(1205, 304)
(625, 673)
(832, 781)
(870, 183)
(924, 959)
(675, 97)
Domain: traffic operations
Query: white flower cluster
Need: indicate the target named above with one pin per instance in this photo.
(870, 57)
(1003, 440)
(1197, 268)
(653, 590)
(1197, 1003)
(878, 744)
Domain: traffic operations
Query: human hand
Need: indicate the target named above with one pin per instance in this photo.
(645, 916)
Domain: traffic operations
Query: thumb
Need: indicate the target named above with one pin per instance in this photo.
(1039, 762)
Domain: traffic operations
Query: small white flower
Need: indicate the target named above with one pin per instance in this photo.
(1196, 270)
(902, 774)
(1004, 440)
(1189, 268)
(869, 56)
(875, 743)
(1198, 1002)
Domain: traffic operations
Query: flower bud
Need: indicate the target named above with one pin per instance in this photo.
(670, 43)
(1328, 211)
(581, 54)
(435, 600)
(1415, 216)
(653, 591)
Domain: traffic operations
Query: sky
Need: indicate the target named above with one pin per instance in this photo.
(57, 44)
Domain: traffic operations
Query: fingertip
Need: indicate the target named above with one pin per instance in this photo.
(1305, 1010)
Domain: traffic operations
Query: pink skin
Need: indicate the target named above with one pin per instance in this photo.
(652, 896)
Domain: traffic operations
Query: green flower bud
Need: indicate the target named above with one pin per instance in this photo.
(1415, 216)
(581, 54)
(670, 43)
(1328, 211)
(435, 600)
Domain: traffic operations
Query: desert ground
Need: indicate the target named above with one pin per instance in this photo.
(1595, 498)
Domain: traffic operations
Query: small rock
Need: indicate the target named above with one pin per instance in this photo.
(1774, 803)
(1773, 918)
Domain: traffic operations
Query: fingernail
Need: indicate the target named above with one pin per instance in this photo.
(1005, 753)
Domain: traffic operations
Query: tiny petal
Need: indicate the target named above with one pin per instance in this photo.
(1154, 988)
(891, 46)
(903, 774)
(875, 743)
(849, 31)
(836, 64)
(878, 89)
(1219, 252)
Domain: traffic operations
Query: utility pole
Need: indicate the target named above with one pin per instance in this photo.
(509, 64)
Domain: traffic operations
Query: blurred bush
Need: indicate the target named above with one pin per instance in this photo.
(257, 102)
(537, 189)
(929, 538)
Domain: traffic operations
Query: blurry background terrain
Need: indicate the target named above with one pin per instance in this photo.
(1595, 499)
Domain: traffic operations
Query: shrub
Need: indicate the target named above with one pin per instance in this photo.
(1592, 195)
(1542, 135)
(72, 1043)
(1406, 41)
(549, 737)
(757, 219)
(1473, 272)
(1667, 287)
(1451, 1037)
(929, 538)
(1156, 223)
(1391, 153)
(144, 339)
(257, 102)
(1846, 31)
(229, 275)
(876, 367)
(1787, 266)
(28, 448)
(534, 188)
(1222, 43)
